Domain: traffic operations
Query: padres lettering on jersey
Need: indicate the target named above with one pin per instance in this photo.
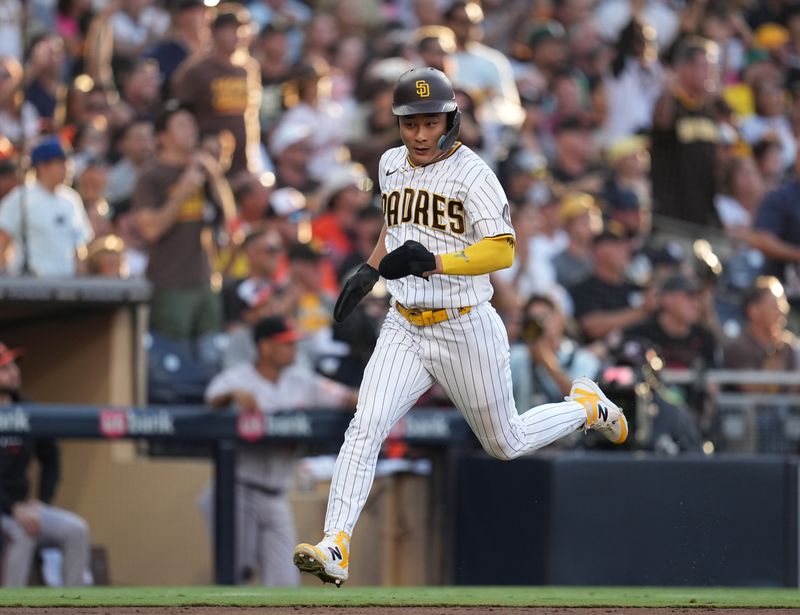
(446, 206)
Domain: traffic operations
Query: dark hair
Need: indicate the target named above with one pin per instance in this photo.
(170, 108)
(690, 49)
(729, 173)
(543, 299)
(762, 287)
(764, 145)
(629, 37)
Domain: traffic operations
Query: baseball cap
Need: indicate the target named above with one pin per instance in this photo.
(575, 204)
(288, 202)
(288, 134)
(771, 36)
(275, 329)
(546, 31)
(7, 355)
(679, 283)
(529, 163)
(343, 177)
(626, 146)
(47, 150)
(304, 252)
(254, 293)
(625, 200)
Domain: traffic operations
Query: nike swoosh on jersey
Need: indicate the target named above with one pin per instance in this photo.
(388, 172)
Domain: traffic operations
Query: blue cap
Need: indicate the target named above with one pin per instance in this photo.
(47, 150)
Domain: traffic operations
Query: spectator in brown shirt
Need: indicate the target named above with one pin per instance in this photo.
(169, 203)
(223, 89)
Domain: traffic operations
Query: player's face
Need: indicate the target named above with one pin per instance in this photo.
(420, 134)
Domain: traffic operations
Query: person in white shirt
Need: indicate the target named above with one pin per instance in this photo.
(274, 382)
(44, 228)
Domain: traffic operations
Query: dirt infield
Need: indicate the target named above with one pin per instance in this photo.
(376, 610)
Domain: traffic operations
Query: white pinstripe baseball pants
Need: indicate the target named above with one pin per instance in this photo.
(468, 357)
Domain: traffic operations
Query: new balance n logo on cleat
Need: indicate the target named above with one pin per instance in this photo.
(336, 553)
(602, 412)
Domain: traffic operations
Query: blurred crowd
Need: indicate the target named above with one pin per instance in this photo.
(228, 154)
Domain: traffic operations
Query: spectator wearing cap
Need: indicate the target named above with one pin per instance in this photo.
(629, 162)
(313, 302)
(271, 51)
(30, 522)
(341, 197)
(136, 25)
(547, 48)
(308, 94)
(288, 212)
(606, 302)
(44, 222)
(258, 294)
(291, 148)
(626, 210)
(634, 84)
(272, 382)
(19, 120)
(481, 69)
(675, 330)
(575, 168)
(136, 145)
(582, 220)
(684, 136)
(189, 34)
(169, 202)
(224, 90)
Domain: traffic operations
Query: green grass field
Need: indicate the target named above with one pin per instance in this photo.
(404, 596)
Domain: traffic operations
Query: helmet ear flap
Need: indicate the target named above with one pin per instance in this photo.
(446, 141)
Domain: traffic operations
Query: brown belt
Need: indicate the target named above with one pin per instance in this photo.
(424, 318)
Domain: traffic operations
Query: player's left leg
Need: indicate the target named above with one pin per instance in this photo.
(475, 372)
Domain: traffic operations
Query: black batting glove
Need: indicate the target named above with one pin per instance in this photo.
(412, 258)
(355, 289)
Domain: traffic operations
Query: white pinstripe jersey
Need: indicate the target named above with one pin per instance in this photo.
(446, 206)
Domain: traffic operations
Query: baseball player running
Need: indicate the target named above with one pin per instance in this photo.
(447, 227)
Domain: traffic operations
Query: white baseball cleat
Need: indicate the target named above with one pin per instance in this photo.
(329, 559)
(602, 414)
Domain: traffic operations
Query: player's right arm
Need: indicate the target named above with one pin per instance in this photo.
(361, 282)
